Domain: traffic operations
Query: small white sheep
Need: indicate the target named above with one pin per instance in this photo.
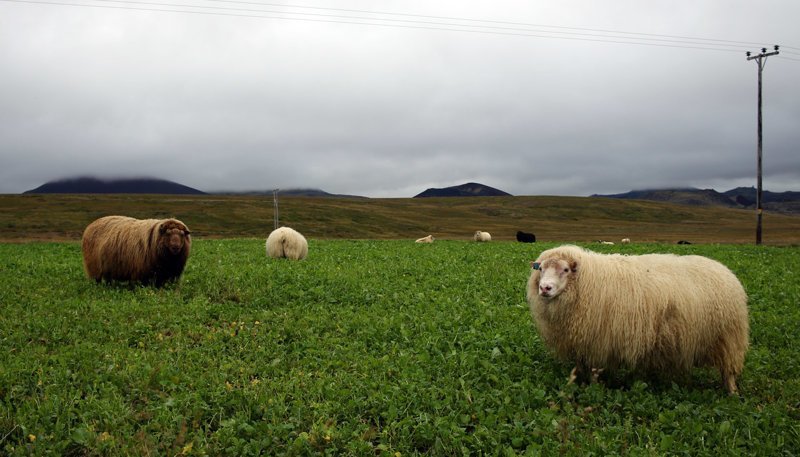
(287, 242)
(658, 312)
(626, 241)
(482, 236)
(426, 239)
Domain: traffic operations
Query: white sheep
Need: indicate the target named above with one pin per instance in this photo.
(426, 239)
(287, 242)
(482, 236)
(658, 312)
(626, 241)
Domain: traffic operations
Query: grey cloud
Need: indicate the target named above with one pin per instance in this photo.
(224, 103)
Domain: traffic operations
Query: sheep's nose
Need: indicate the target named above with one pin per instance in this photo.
(545, 288)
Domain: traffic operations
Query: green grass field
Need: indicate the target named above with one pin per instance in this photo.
(364, 348)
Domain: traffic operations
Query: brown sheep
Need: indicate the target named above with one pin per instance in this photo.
(150, 251)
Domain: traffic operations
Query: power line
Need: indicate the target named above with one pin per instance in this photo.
(426, 23)
(525, 24)
(408, 21)
(640, 39)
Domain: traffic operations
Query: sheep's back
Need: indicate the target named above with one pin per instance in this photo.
(119, 247)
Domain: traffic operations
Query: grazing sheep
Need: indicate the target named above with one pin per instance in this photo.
(609, 243)
(426, 239)
(482, 236)
(151, 251)
(288, 243)
(683, 242)
(626, 241)
(524, 237)
(658, 312)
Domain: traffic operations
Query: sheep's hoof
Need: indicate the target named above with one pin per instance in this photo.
(573, 375)
(579, 374)
(730, 386)
(596, 372)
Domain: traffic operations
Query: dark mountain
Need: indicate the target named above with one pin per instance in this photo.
(688, 196)
(292, 193)
(747, 195)
(741, 197)
(470, 189)
(91, 185)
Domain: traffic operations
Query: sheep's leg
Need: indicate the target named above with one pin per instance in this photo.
(573, 375)
(728, 357)
(596, 372)
(729, 380)
(581, 373)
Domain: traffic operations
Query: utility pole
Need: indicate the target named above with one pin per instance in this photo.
(275, 205)
(761, 60)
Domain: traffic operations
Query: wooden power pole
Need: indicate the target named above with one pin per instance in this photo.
(275, 207)
(761, 60)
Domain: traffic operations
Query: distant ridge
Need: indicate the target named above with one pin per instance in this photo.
(740, 197)
(92, 185)
(470, 189)
(304, 192)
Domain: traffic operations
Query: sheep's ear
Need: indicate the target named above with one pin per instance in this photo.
(162, 229)
(573, 266)
(186, 231)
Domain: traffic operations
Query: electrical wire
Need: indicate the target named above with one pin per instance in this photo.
(598, 35)
(435, 25)
(525, 24)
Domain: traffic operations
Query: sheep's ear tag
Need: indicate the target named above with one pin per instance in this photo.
(536, 265)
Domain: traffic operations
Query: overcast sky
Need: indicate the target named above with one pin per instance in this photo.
(534, 98)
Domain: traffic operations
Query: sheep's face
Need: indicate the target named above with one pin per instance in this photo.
(554, 276)
(174, 237)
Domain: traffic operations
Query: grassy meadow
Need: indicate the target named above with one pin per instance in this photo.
(367, 347)
(63, 217)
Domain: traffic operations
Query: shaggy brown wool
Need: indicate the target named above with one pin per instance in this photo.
(658, 312)
(150, 251)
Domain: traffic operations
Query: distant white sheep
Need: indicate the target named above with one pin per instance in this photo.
(626, 241)
(287, 242)
(658, 312)
(426, 239)
(482, 236)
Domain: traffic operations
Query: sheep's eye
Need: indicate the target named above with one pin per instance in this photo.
(566, 270)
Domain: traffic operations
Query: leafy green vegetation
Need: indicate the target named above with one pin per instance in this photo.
(364, 348)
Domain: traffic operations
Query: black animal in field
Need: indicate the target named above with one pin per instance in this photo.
(524, 237)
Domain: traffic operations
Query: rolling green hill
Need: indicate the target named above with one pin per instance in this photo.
(63, 217)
